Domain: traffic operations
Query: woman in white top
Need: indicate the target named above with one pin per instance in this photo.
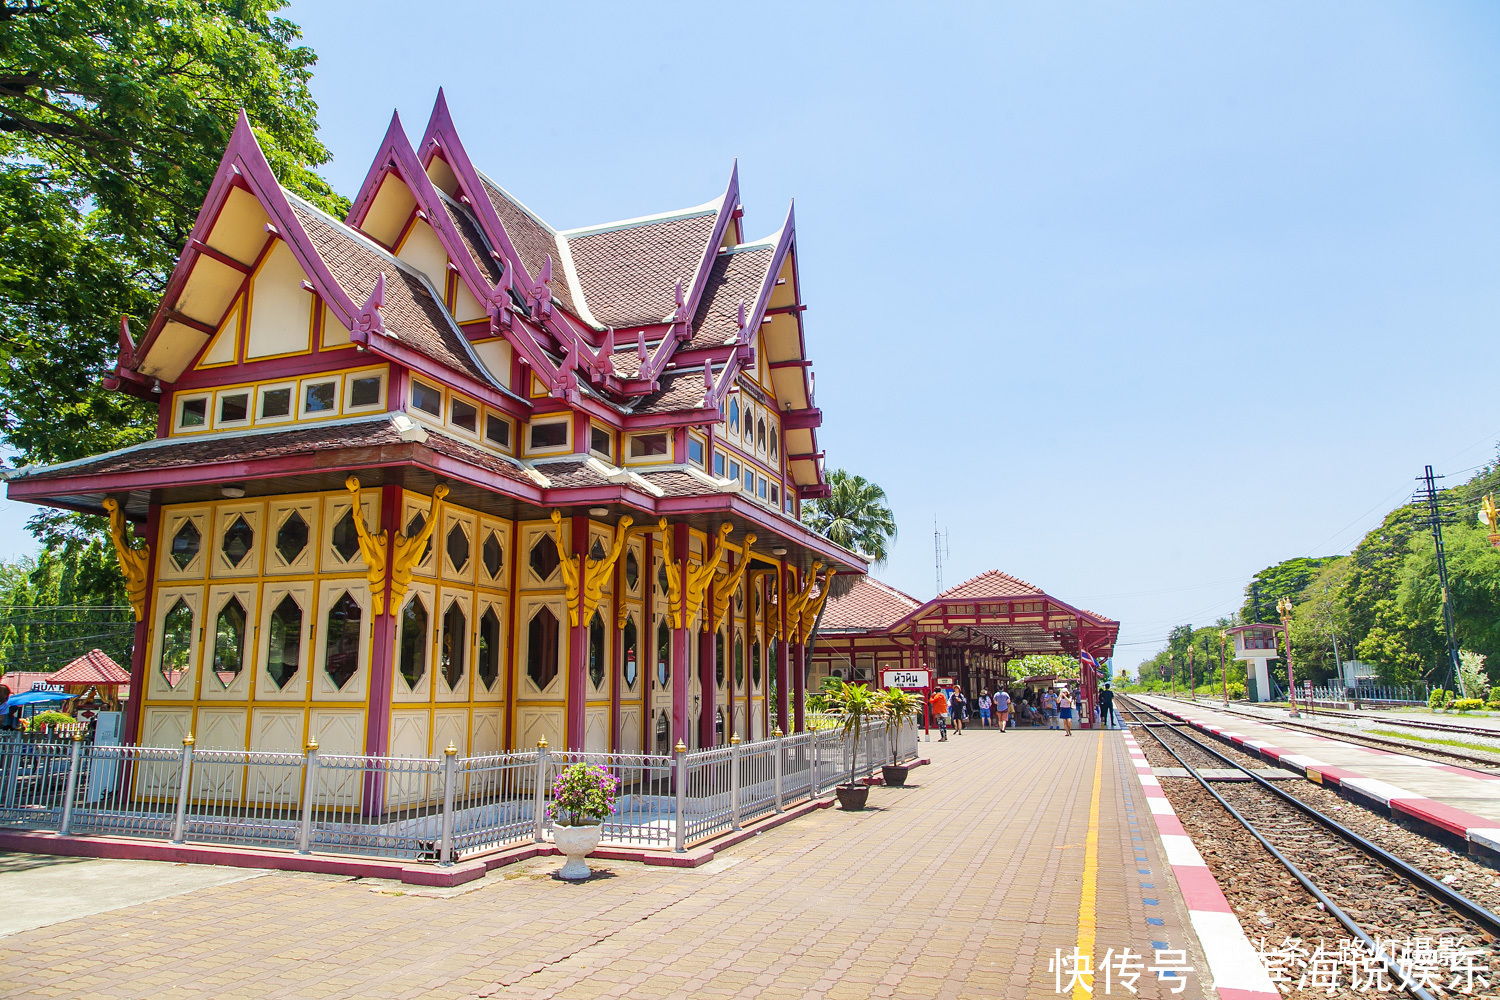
(1065, 709)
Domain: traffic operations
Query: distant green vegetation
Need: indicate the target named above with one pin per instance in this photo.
(1382, 602)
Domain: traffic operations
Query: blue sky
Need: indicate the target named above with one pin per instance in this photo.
(1133, 299)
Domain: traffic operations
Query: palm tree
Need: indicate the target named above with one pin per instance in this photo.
(855, 515)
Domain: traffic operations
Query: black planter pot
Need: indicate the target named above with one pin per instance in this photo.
(853, 797)
(894, 774)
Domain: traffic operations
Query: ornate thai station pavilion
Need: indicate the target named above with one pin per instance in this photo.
(968, 633)
(439, 473)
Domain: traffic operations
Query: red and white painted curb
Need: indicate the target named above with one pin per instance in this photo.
(1479, 830)
(1236, 967)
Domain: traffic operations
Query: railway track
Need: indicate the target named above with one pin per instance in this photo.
(1416, 749)
(1376, 896)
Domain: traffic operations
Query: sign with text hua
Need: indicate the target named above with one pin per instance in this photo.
(906, 678)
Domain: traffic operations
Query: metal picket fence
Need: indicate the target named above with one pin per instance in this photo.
(422, 809)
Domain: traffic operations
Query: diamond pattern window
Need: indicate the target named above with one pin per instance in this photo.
(739, 662)
(346, 536)
(755, 663)
(229, 642)
(291, 537)
(734, 415)
(185, 544)
(284, 652)
(663, 654)
(413, 642)
(760, 434)
(458, 548)
(238, 538)
(632, 569)
(455, 645)
(596, 651)
(544, 558)
(630, 669)
(492, 555)
(341, 640)
(596, 551)
(489, 648)
(176, 643)
(661, 578)
(541, 648)
(718, 659)
(663, 734)
(414, 528)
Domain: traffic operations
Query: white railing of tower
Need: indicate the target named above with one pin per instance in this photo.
(423, 809)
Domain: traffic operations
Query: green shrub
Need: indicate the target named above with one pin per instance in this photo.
(1236, 690)
(1468, 704)
(51, 719)
(1435, 699)
(1494, 701)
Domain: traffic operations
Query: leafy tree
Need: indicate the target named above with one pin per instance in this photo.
(1382, 633)
(113, 114)
(61, 604)
(1285, 579)
(1318, 620)
(855, 515)
(1474, 586)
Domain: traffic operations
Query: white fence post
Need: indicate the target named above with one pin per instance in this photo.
(450, 782)
(72, 787)
(539, 805)
(780, 765)
(734, 782)
(179, 822)
(813, 789)
(309, 792)
(680, 840)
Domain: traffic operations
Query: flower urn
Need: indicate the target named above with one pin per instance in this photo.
(577, 842)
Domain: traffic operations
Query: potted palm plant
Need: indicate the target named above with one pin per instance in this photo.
(582, 796)
(855, 704)
(899, 707)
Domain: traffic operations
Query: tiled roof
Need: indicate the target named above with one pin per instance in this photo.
(735, 277)
(21, 681)
(627, 363)
(680, 390)
(678, 484)
(410, 312)
(534, 241)
(629, 274)
(990, 584)
(93, 667)
(568, 474)
(465, 452)
(869, 605)
(178, 452)
(473, 237)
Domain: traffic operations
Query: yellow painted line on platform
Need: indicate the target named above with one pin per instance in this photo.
(1088, 901)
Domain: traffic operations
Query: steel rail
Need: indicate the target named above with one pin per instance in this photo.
(1328, 904)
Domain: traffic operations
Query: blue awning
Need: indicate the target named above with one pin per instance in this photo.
(36, 698)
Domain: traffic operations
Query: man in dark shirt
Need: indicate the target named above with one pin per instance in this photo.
(1107, 717)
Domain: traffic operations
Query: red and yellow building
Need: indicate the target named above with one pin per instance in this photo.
(439, 473)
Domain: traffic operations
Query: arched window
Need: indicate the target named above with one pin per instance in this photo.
(176, 642)
(663, 654)
(455, 645)
(629, 669)
(489, 648)
(341, 640)
(734, 415)
(719, 659)
(596, 651)
(413, 642)
(541, 648)
(284, 653)
(755, 663)
(229, 642)
(739, 661)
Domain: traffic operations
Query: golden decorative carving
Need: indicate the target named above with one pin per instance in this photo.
(758, 624)
(699, 577)
(791, 618)
(408, 551)
(674, 575)
(133, 561)
(596, 571)
(568, 567)
(724, 588)
(373, 548)
(811, 607)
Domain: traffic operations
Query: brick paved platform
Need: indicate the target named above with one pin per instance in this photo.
(962, 886)
(1449, 799)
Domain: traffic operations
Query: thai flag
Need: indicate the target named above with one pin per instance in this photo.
(1088, 661)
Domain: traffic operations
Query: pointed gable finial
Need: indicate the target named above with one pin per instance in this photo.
(640, 346)
(369, 319)
(708, 375)
(127, 344)
(740, 319)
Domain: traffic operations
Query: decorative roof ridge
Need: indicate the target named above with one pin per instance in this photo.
(768, 243)
(527, 468)
(874, 582)
(575, 285)
(368, 241)
(486, 178)
(161, 442)
(696, 211)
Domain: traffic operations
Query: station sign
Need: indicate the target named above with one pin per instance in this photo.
(906, 678)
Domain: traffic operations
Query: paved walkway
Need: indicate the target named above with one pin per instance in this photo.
(960, 887)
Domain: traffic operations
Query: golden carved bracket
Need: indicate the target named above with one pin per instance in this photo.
(674, 575)
(374, 549)
(568, 567)
(699, 577)
(133, 561)
(725, 586)
(596, 571)
(758, 624)
(810, 608)
(791, 618)
(408, 551)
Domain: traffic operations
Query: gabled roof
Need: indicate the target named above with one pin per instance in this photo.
(93, 667)
(868, 605)
(989, 584)
(736, 279)
(628, 272)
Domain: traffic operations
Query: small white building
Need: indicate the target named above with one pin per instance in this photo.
(1257, 645)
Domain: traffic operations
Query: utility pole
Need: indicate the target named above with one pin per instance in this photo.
(939, 551)
(1192, 684)
(1433, 507)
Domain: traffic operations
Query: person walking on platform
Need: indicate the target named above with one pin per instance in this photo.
(985, 704)
(939, 705)
(1065, 710)
(1049, 709)
(959, 706)
(1002, 708)
(1107, 708)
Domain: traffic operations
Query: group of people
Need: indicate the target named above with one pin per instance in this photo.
(1054, 708)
